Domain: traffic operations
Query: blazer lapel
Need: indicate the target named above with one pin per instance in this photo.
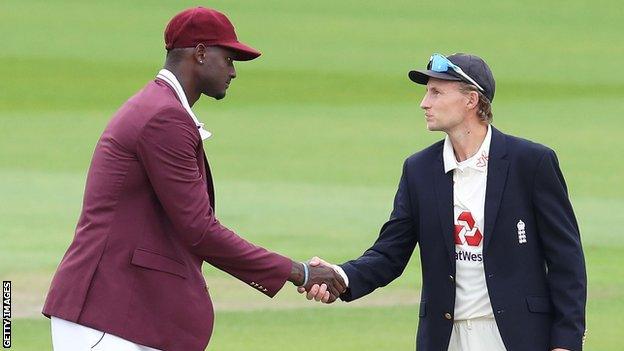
(443, 183)
(498, 166)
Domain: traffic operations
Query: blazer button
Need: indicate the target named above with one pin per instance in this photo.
(448, 316)
(451, 278)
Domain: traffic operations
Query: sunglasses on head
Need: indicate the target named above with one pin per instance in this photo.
(439, 63)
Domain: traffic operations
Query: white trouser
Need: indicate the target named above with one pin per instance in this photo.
(476, 334)
(69, 336)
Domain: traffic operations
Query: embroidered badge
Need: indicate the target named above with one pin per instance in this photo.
(483, 159)
(521, 232)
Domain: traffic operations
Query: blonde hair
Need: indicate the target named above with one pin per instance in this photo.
(484, 107)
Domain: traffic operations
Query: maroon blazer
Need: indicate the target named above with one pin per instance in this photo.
(147, 224)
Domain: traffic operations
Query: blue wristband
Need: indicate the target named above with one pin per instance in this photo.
(306, 274)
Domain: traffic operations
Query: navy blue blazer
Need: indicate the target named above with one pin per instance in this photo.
(537, 288)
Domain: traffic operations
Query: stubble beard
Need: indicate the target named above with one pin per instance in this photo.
(217, 96)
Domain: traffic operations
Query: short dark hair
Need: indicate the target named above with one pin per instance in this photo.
(175, 56)
(484, 107)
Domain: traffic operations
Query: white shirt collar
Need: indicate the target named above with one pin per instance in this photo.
(169, 78)
(478, 161)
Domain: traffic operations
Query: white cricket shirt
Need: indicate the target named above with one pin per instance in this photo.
(469, 184)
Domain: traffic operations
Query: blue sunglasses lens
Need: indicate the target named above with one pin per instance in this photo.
(440, 63)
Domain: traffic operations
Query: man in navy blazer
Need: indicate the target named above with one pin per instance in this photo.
(502, 263)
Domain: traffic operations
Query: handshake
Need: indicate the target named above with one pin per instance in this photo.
(319, 280)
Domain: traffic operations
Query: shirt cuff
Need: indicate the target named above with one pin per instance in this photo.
(342, 274)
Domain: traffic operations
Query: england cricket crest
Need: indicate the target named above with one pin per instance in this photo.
(521, 232)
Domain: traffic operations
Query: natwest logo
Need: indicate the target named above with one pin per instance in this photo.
(466, 232)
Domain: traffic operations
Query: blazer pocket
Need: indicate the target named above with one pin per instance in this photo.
(539, 304)
(152, 260)
(422, 310)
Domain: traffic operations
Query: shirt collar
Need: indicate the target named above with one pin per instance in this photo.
(170, 79)
(478, 161)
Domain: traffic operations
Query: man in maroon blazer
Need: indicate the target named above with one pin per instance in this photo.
(131, 279)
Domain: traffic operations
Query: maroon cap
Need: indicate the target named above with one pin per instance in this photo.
(200, 25)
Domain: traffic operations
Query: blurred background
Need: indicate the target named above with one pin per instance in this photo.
(307, 148)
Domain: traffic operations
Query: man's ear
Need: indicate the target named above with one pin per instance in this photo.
(200, 54)
(473, 100)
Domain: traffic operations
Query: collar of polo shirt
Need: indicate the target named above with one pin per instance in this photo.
(168, 77)
(478, 161)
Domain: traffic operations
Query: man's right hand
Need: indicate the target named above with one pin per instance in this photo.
(325, 283)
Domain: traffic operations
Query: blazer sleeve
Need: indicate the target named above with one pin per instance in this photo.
(386, 259)
(560, 237)
(167, 148)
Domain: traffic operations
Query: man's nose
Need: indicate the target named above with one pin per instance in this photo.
(424, 103)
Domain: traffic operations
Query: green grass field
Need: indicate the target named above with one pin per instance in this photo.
(308, 145)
